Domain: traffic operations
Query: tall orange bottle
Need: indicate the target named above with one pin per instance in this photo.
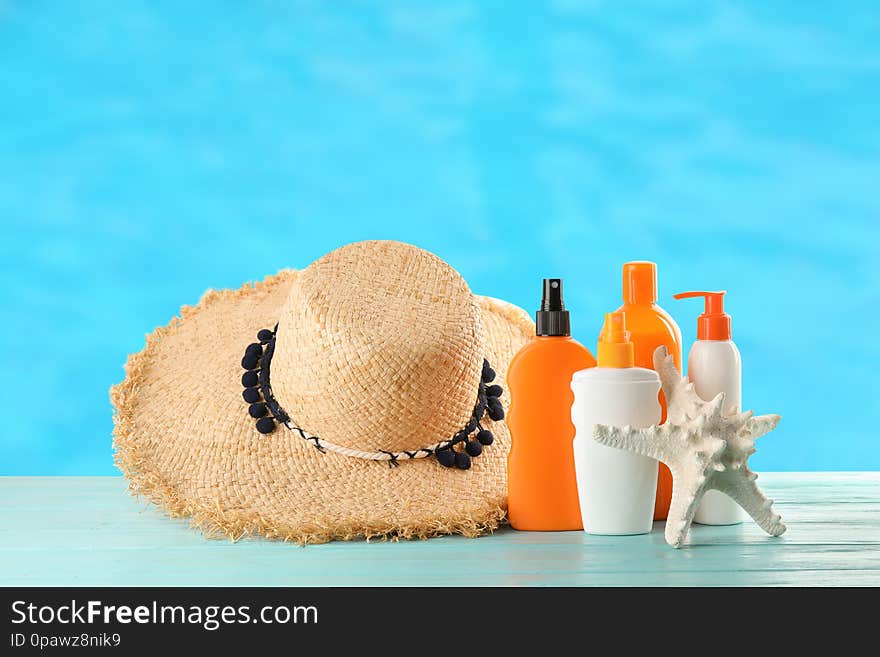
(541, 485)
(650, 326)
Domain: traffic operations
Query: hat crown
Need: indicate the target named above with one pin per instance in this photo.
(379, 347)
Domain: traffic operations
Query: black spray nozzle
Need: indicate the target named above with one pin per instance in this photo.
(552, 318)
(552, 297)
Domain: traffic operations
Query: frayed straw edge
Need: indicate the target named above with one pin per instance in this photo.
(238, 526)
(235, 525)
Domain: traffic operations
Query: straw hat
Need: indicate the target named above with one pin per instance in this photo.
(359, 397)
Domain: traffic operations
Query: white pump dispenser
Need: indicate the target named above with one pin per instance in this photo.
(714, 366)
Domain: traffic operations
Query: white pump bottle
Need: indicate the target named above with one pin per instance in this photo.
(714, 366)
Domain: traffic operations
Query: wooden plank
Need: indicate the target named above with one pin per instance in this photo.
(88, 531)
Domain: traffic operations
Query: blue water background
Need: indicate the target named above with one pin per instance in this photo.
(150, 150)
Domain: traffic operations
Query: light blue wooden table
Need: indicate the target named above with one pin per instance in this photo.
(89, 531)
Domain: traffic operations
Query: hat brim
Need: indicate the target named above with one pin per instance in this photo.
(183, 438)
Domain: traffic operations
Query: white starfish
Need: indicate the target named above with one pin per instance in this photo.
(704, 448)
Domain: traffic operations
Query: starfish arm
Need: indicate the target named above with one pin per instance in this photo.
(682, 508)
(640, 441)
(761, 425)
(741, 487)
(670, 377)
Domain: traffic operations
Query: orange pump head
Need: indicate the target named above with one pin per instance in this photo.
(615, 348)
(714, 323)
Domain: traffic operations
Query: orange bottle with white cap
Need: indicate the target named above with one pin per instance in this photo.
(650, 326)
(715, 366)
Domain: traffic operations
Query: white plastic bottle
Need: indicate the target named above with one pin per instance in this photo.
(714, 366)
(616, 489)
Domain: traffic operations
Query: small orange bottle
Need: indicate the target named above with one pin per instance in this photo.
(650, 326)
(542, 487)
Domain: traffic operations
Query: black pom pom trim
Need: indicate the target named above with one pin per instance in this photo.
(485, 437)
(265, 425)
(268, 412)
(488, 373)
(473, 448)
(494, 391)
(445, 457)
(495, 409)
(480, 408)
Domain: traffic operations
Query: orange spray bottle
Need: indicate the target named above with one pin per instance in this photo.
(542, 487)
(650, 326)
